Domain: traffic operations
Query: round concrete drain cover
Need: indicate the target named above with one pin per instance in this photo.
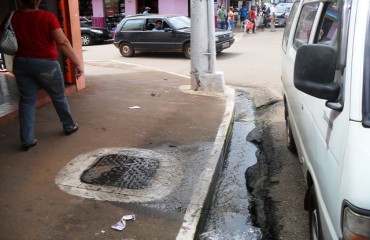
(119, 170)
(121, 174)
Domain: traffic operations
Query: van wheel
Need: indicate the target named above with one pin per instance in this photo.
(186, 50)
(290, 139)
(314, 217)
(126, 50)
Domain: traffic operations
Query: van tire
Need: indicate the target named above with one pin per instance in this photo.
(290, 139)
(314, 217)
(126, 50)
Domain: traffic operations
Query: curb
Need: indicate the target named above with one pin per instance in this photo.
(198, 208)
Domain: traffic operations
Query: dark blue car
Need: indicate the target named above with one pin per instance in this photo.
(134, 33)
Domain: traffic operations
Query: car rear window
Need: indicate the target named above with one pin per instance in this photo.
(133, 25)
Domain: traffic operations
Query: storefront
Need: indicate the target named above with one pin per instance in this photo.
(108, 13)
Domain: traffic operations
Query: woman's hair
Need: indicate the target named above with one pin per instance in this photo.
(29, 3)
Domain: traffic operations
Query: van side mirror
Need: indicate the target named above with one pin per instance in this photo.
(314, 71)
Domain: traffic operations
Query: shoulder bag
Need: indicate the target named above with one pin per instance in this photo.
(8, 40)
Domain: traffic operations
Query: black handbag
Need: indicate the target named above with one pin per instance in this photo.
(8, 40)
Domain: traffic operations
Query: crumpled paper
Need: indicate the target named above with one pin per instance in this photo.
(121, 224)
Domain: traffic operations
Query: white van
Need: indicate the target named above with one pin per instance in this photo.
(326, 87)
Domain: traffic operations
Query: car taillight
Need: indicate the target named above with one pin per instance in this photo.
(355, 226)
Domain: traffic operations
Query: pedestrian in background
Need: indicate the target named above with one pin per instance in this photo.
(252, 18)
(273, 17)
(36, 65)
(243, 15)
(230, 19)
(146, 10)
(236, 17)
(221, 17)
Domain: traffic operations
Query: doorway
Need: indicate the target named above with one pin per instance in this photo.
(141, 4)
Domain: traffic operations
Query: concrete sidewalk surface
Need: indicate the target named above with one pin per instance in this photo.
(166, 141)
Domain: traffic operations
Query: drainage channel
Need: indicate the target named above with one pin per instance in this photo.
(229, 217)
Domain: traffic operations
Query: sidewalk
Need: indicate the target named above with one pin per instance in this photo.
(126, 111)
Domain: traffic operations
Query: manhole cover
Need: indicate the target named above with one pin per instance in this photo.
(119, 170)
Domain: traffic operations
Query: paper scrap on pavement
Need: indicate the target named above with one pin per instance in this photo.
(134, 107)
(121, 224)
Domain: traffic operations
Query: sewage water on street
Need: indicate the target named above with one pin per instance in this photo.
(229, 217)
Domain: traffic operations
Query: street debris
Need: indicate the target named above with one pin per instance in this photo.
(134, 107)
(121, 224)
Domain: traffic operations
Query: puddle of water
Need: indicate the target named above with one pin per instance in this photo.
(229, 217)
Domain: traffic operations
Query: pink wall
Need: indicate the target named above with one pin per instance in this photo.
(164, 7)
(173, 7)
(98, 8)
(130, 7)
(98, 13)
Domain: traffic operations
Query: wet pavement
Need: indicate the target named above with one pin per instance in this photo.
(229, 217)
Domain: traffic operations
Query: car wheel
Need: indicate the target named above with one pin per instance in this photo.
(86, 40)
(290, 139)
(314, 217)
(126, 50)
(187, 50)
(268, 24)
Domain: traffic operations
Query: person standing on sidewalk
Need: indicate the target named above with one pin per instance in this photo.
(35, 65)
(243, 15)
(253, 16)
(221, 17)
(273, 16)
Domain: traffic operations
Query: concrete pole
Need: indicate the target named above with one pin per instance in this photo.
(203, 50)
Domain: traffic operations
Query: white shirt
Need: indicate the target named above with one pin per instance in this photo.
(272, 10)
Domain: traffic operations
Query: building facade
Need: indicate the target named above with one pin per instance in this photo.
(108, 13)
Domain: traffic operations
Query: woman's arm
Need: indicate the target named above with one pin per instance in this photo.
(67, 50)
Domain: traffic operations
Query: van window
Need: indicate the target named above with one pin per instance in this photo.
(133, 25)
(304, 25)
(327, 33)
(288, 26)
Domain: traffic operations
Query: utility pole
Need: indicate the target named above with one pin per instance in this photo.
(203, 48)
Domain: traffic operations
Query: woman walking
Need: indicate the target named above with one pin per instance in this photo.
(230, 19)
(39, 34)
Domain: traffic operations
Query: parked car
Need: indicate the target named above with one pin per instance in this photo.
(93, 35)
(326, 89)
(283, 9)
(85, 22)
(134, 33)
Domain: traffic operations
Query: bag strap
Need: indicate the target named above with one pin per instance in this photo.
(8, 23)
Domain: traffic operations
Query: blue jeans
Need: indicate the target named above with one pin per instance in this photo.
(32, 74)
(230, 25)
(221, 25)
